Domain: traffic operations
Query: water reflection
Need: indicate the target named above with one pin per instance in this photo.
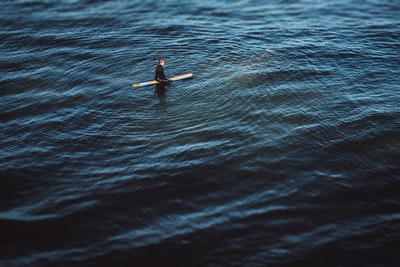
(160, 93)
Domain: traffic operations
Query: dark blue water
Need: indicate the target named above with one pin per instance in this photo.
(283, 150)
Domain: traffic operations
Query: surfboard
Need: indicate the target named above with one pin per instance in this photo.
(175, 78)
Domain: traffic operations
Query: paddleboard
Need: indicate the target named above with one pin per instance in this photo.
(175, 78)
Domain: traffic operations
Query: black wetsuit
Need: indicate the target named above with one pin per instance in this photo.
(160, 75)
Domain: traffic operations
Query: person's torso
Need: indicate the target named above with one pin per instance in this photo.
(160, 72)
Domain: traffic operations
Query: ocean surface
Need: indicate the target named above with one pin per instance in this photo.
(282, 150)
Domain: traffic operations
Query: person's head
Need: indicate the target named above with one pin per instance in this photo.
(161, 61)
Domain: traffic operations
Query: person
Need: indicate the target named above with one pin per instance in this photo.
(160, 75)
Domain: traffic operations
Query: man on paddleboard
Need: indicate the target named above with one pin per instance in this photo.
(160, 75)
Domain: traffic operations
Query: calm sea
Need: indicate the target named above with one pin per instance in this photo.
(282, 150)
